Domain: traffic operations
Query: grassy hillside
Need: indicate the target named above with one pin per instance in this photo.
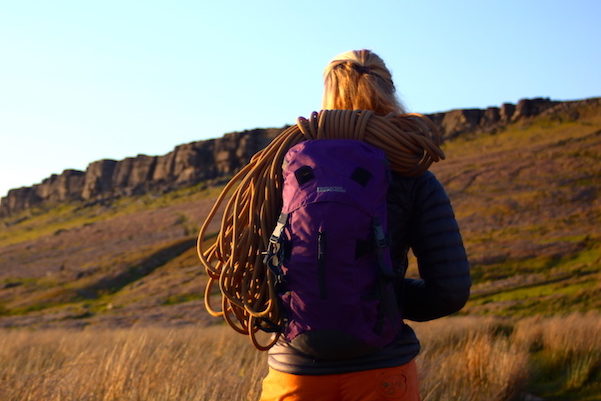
(463, 358)
(115, 263)
(528, 203)
(527, 199)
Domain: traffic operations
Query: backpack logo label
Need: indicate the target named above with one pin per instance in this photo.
(331, 189)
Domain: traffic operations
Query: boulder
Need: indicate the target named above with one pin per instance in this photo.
(490, 118)
(193, 162)
(456, 122)
(132, 175)
(99, 179)
(506, 112)
(531, 107)
(163, 170)
(66, 186)
(19, 199)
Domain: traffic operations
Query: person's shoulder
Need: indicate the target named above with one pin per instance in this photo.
(404, 188)
(422, 187)
(420, 179)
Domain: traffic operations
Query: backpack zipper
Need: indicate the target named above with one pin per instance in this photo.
(321, 263)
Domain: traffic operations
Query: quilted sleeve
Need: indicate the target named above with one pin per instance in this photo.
(444, 284)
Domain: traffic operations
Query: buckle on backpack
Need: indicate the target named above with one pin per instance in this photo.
(274, 255)
(273, 260)
(268, 326)
(382, 244)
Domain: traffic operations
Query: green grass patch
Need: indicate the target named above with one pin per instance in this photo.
(509, 268)
(516, 135)
(53, 219)
(578, 262)
(566, 376)
(544, 299)
(588, 257)
(539, 291)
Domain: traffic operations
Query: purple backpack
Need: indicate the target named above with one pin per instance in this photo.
(330, 253)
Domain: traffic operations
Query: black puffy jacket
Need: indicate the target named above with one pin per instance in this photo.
(421, 219)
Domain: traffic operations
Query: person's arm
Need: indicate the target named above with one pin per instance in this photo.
(442, 262)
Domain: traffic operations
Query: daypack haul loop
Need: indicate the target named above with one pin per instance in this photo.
(235, 260)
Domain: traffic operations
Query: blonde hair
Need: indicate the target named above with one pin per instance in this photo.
(359, 80)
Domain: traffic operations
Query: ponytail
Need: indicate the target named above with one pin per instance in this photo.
(359, 80)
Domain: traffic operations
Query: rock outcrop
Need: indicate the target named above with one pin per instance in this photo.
(66, 186)
(456, 122)
(132, 175)
(99, 179)
(199, 161)
(187, 164)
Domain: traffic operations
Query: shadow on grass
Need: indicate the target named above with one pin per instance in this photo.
(112, 284)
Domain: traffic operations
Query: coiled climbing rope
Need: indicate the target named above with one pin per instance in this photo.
(234, 261)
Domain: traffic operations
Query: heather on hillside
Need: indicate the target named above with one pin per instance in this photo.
(471, 359)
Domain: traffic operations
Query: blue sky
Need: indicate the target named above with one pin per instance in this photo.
(82, 81)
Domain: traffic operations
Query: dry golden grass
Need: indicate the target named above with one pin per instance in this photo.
(463, 358)
(150, 364)
(571, 345)
(470, 359)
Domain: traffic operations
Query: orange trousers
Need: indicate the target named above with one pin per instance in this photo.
(388, 384)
